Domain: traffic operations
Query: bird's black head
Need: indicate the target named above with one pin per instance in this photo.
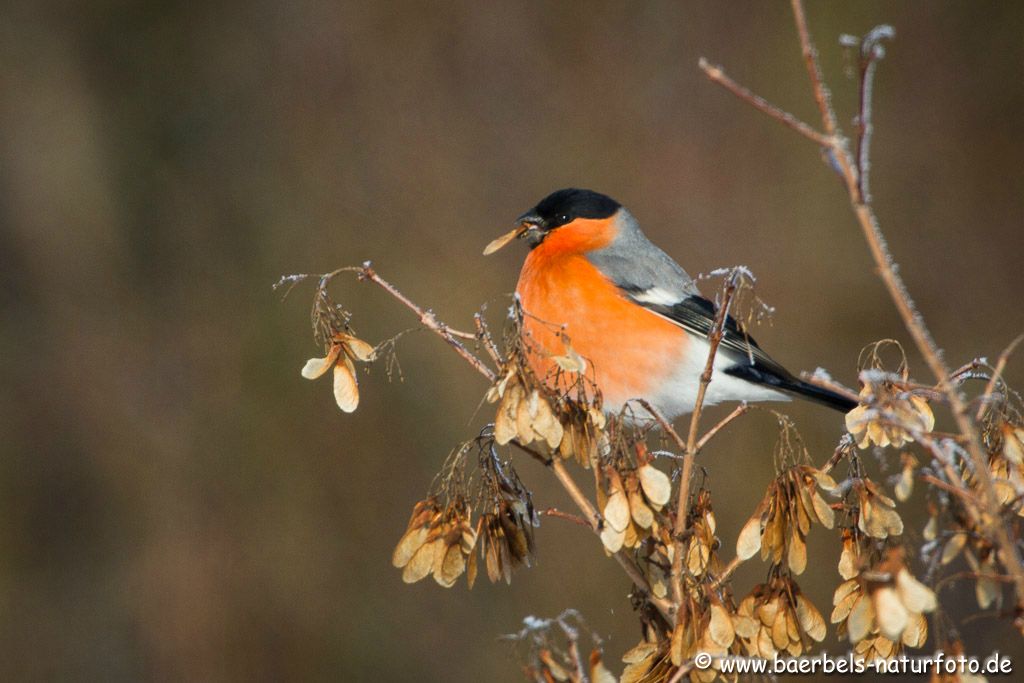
(565, 206)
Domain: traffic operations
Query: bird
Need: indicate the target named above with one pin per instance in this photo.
(593, 281)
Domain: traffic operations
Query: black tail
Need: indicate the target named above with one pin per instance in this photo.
(825, 397)
(792, 385)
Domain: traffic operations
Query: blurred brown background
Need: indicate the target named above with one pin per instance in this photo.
(176, 502)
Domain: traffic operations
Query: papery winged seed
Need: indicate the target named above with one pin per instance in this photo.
(639, 653)
(916, 631)
(720, 627)
(826, 515)
(986, 591)
(632, 538)
(924, 411)
(471, 569)
(359, 349)
(843, 608)
(708, 645)
(492, 558)
(499, 242)
(677, 645)
(765, 646)
(697, 557)
(745, 626)
(504, 421)
(422, 561)
(890, 612)
(915, 595)
(655, 483)
(780, 635)
(953, 547)
(848, 562)
(811, 621)
(803, 508)
(931, 529)
(749, 541)
(599, 673)
(612, 539)
(506, 562)
(316, 367)
(635, 673)
(797, 555)
(824, 481)
(883, 646)
(410, 542)
(767, 612)
(893, 522)
(642, 514)
(469, 538)
(860, 619)
(616, 510)
(452, 566)
(546, 425)
(524, 417)
(1013, 444)
(878, 433)
(769, 534)
(346, 391)
(905, 484)
(705, 676)
(792, 626)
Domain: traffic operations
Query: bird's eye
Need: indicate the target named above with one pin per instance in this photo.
(563, 218)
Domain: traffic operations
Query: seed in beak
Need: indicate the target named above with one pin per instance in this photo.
(505, 239)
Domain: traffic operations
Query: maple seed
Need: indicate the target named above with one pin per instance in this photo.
(344, 348)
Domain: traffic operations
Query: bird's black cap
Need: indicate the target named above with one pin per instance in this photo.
(565, 206)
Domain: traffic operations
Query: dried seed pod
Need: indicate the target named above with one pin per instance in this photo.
(656, 484)
(882, 610)
(877, 517)
(888, 415)
(779, 525)
(777, 618)
(340, 354)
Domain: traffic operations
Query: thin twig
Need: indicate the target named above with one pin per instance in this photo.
(741, 409)
(718, 75)
(555, 512)
(663, 422)
(430, 321)
(955, 490)
(821, 94)
(842, 450)
(871, 50)
(997, 372)
(726, 573)
(483, 333)
(690, 454)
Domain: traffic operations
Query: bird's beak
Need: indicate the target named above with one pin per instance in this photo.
(518, 231)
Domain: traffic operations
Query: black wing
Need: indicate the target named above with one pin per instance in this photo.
(697, 315)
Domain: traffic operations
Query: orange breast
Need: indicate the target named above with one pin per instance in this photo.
(631, 350)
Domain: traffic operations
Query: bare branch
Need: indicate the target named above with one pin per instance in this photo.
(717, 75)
